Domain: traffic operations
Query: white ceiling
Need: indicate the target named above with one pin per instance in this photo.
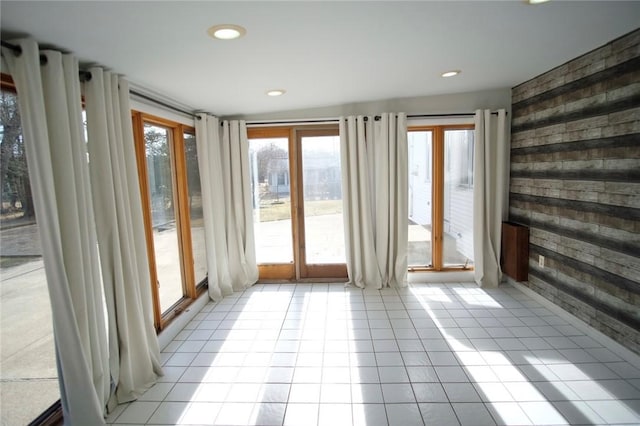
(322, 53)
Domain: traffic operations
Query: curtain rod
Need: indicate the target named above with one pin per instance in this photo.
(301, 121)
(164, 104)
(17, 50)
(454, 114)
(86, 76)
(376, 118)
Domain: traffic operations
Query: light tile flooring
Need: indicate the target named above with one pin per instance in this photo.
(427, 354)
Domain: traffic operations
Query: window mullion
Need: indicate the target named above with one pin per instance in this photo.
(438, 197)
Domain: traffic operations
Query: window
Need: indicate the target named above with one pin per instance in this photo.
(282, 178)
(459, 154)
(27, 361)
(172, 203)
(440, 205)
(420, 154)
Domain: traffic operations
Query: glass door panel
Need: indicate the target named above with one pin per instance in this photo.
(167, 158)
(271, 197)
(322, 200)
(420, 195)
(163, 215)
(458, 198)
(194, 194)
(28, 373)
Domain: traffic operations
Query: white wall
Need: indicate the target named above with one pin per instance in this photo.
(452, 103)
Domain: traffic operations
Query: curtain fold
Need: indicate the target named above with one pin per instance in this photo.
(50, 107)
(374, 183)
(243, 267)
(214, 231)
(223, 161)
(362, 263)
(490, 194)
(391, 195)
(133, 344)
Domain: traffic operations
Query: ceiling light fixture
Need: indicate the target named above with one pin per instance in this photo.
(451, 73)
(537, 1)
(226, 31)
(276, 92)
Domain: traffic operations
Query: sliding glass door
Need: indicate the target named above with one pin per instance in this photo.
(297, 202)
(440, 197)
(172, 208)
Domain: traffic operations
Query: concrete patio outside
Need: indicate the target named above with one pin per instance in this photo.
(27, 357)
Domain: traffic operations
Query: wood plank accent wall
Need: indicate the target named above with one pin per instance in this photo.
(575, 181)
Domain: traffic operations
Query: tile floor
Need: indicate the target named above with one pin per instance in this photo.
(443, 354)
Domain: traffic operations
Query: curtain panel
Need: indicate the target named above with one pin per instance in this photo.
(90, 222)
(223, 160)
(134, 353)
(490, 194)
(50, 107)
(375, 199)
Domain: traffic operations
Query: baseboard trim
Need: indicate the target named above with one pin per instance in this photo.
(179, 323)
(606, 341)
(440, 277)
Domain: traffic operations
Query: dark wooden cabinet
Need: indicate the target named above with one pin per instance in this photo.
(515, 251)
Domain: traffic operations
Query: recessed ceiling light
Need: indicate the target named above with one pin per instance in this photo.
(276, 92)
(451, 73)
(226, 31)
(537, 1)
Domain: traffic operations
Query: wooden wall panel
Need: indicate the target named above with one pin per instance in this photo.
(575, 182)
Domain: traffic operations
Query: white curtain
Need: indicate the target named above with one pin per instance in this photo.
(374, 184)
(490, 194)
(133, 345)
(223, 160)
(50, 107)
